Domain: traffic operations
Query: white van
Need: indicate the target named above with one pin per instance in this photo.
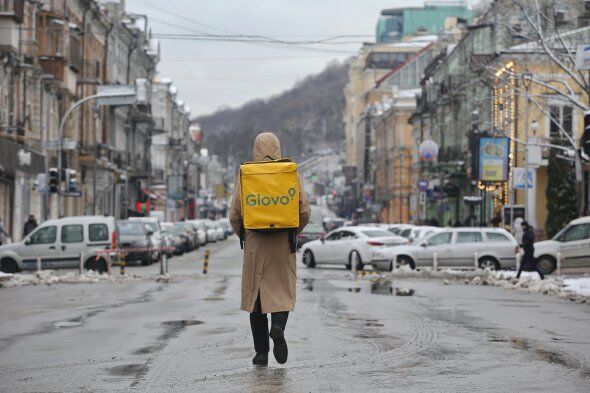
(59, 243)
(573, 242)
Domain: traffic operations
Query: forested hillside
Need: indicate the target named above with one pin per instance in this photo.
(307, 117)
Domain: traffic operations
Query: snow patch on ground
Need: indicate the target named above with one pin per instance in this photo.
(49, 277)
(575, 289)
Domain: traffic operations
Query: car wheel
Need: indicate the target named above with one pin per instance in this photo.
(403, 260)
(489, 263)
(355, 258)
(8, 265)
(98, 265)
(308, 259)
(547, 264)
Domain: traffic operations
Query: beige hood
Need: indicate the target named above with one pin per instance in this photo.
(266, 146)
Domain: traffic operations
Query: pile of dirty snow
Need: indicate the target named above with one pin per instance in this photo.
(49, 277)
(575, 289)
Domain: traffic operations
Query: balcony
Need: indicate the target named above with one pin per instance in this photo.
(12, 9)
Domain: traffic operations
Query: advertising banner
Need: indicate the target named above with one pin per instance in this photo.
(520, 178)
(493, 159)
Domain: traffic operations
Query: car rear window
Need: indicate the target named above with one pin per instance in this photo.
(469, 237)
(376, 233)
(497, 237)
(131, 228)
(98, 232)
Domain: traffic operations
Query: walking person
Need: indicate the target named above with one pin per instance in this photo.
(269, 268)
(529, 261)
(4, 236)
(30, 225)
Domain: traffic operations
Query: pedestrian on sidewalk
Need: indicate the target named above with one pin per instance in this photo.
(4, 236)
(529, 262)
(30, 225)
(269, 269)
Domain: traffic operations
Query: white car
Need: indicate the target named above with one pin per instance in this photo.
(419, 233)
(398, 229)
(59, 244)
(348, 245)
(157, 237)
(573, 242)
(494, 248)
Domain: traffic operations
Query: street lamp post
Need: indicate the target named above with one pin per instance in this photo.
(526, 81)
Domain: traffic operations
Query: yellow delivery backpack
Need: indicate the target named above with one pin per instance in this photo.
(270, 197)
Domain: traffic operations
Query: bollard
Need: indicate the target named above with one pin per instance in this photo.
(206, 262)
(122, 264)
(353, 267)
(435, 261)
(517, 261)
(558, 264)
(108, 253)
(38, 264)
(163, 262)
(81, 267)
(475, 262)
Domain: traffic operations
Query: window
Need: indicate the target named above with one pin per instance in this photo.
(439, 239)
(496, 237)
(133, 228)
(45, 235)
(469, 237)
(72, 234)
(345, 235)
(98, 232)
(560, 115)
(578, 232)
(334, 236)
(406, 233)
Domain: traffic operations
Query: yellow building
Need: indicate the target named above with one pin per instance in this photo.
(529, 106)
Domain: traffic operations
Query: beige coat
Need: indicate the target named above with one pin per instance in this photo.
(269, 267)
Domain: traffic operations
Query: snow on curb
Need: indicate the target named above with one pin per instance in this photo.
(574, 289)
(49, 277)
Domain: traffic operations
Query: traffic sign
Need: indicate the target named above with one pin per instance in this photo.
(422, 184)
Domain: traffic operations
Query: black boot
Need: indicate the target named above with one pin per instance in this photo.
(259, 326)
(280, 350)
(260, 359)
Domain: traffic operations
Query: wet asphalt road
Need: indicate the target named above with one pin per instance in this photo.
(189, 335)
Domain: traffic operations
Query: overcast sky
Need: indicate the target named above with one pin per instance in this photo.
(210, 75)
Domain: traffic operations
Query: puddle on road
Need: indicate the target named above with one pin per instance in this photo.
(548, 355)
(378, 287)
(128, 370)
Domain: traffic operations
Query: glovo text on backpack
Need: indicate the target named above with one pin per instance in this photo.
(270, 195)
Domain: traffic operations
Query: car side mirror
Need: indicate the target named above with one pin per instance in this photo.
(28, 242)
(423, 244)
(562, 238)
(150, 233)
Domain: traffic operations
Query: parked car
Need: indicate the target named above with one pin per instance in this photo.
(59, 243)
(309, 233)
(348, 245)
(455, 248)
(226, 226)
(157, 239)
(397, 229)
(419, 233)
(220, 230)
(201, 232)
(192, 233)
(573, 242)
(331, 223)
(174, 239)
(135, 239)
(187, 237)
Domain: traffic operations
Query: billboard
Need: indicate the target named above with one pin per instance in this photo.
(493, 159)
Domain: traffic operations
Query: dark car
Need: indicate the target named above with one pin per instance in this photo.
(134, 239)
(309, 233)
